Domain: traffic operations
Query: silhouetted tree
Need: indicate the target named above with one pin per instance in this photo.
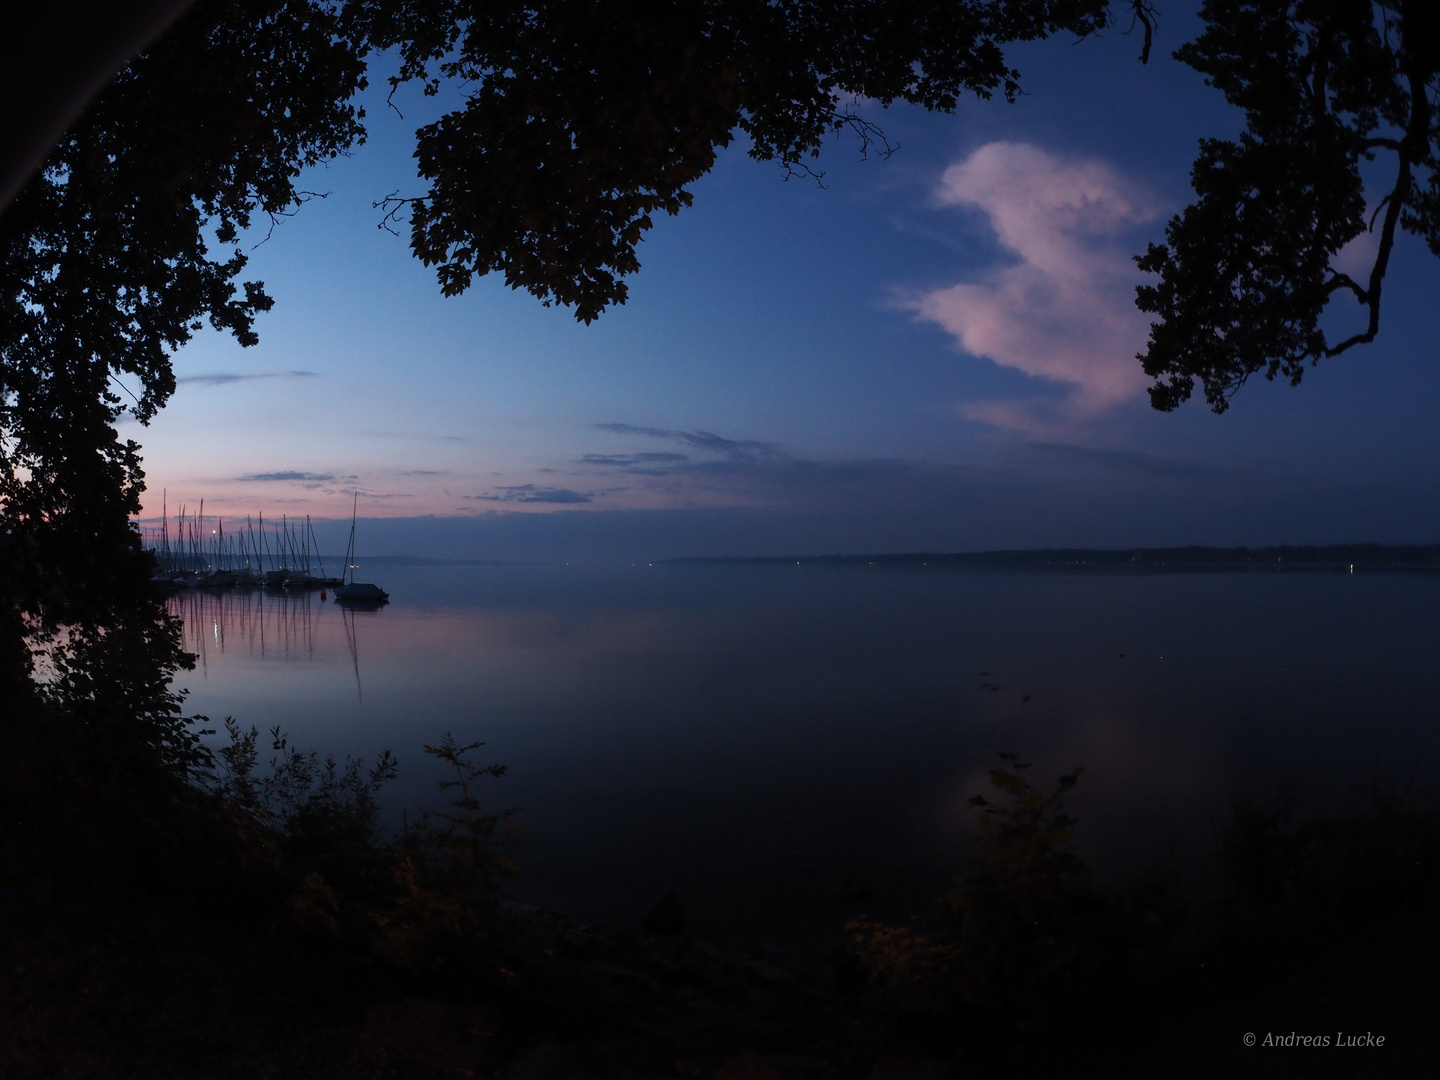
(115, 254)
(54, 58)
(588, 117)
(1327, 86)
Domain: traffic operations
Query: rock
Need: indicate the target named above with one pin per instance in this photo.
(666, 919)
(548, 1061)
(848, 889)
(911, 1069)
(456, 1034)
(750, 1067)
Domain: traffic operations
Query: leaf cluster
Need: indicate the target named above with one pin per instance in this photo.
(318, 805)
(442, 919)
(585, 118)
(1328, 87)
(122, 247)
(111, 681)
(1283, 879)
(425, 901)
(467, 846)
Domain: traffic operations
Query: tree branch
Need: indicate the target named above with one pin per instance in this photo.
(1143, 12)
(301, 198)
(393, 205)
(1345, 281)
(1417, 137)
(868, 132)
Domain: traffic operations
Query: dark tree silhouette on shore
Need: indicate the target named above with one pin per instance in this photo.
(108, 265)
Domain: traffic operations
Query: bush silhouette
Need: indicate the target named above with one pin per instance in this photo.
(1023, 931)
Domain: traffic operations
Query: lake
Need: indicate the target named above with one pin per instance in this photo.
(787, 746)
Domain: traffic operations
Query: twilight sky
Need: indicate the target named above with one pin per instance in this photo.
(934, 351)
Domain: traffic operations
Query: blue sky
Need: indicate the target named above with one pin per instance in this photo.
(933, 351)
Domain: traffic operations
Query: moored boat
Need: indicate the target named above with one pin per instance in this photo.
(360, 590)
(352, 591)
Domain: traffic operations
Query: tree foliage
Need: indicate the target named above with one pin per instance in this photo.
(588, 117)
(123, 246)
(1332, 90)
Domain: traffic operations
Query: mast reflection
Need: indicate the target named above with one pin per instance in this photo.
(266, 625)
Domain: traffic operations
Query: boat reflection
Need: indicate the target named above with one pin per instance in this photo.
(352, 638)
(269, 626)
(264, 625)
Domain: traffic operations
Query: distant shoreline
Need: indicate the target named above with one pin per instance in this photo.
(1339, 558)
(1334, 558)
(416, 560)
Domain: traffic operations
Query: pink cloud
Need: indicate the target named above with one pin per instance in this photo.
(1025, 417)
(1064, 311)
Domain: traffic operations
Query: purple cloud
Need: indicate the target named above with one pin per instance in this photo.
(289, 475)
(530, 493)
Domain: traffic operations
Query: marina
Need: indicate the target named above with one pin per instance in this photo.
(193, 551)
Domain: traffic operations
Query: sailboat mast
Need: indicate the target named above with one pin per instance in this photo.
(319, 559)
(350, 547)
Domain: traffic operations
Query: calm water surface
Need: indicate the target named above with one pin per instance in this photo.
(774, 742)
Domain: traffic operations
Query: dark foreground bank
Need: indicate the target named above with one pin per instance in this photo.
(252, 920)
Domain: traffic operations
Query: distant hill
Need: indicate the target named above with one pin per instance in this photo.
(1332, 557)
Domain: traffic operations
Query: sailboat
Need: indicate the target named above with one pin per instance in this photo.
(357, 592)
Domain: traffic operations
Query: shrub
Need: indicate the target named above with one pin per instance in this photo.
(1023, 931)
